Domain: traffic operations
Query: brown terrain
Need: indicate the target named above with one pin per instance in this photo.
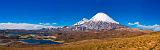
(97, 40)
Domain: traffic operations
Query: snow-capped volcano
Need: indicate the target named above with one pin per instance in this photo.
(99, 21)
(99, 17)
(103, 17)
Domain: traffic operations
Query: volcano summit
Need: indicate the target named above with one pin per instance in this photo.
(99, 21)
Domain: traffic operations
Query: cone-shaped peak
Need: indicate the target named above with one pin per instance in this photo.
(103, 17)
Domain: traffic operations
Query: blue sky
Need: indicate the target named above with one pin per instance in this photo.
(68, 12)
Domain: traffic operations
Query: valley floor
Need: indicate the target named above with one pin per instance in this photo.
(144, 42)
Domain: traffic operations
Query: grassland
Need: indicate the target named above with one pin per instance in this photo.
(143, 42)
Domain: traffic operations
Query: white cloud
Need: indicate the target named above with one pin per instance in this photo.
(54, 23)
(146, 27)
(47, 23)
(26, 26)
(131, 23)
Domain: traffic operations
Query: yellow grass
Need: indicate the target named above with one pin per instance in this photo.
(144, 42)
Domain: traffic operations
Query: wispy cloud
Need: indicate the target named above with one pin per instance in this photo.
(47, 23)
(26, 26)
(146, 27)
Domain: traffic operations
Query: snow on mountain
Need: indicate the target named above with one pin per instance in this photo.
(99, 21)
(102, 25)
(99, 17)
(82, 21)
(103, 17)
